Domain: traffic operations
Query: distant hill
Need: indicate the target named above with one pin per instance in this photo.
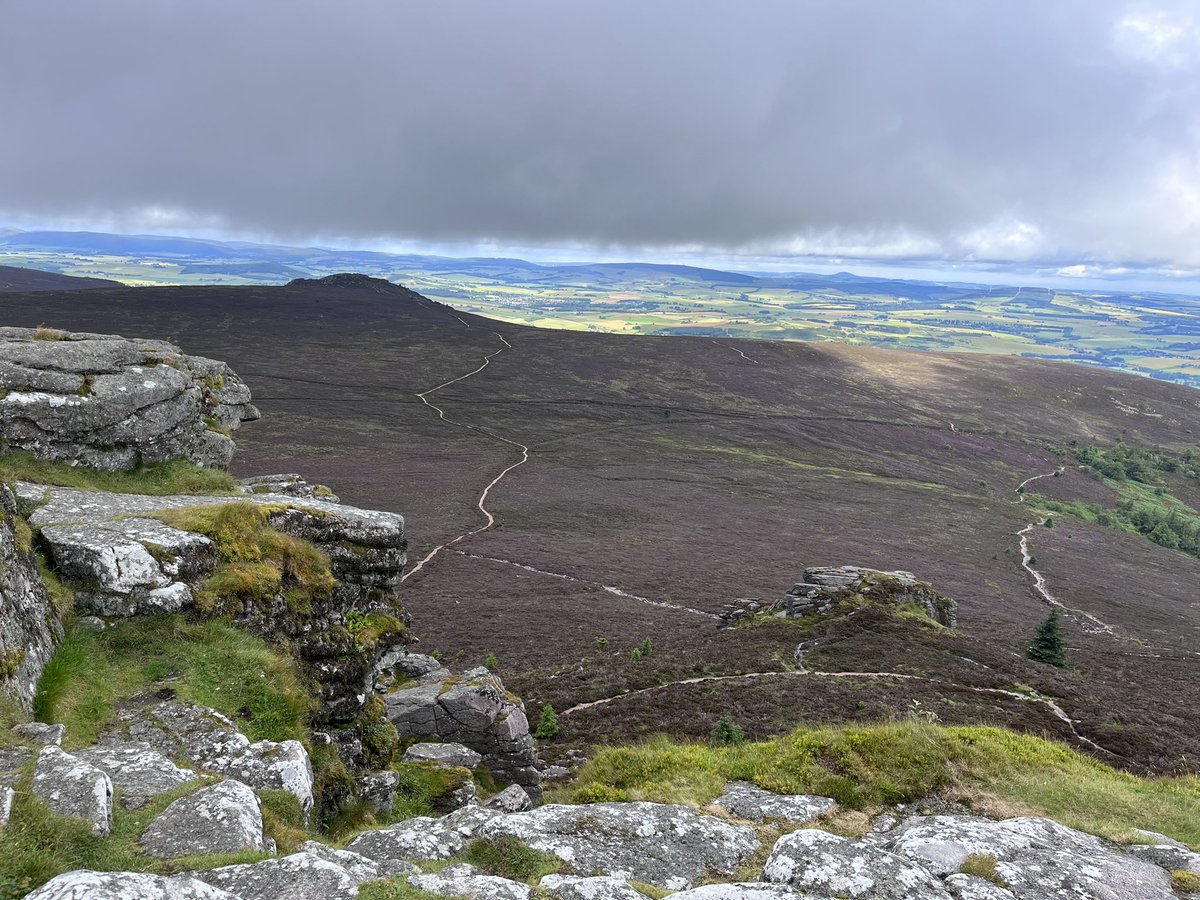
(14, 278)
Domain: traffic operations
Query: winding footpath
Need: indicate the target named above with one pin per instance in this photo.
(481, 503)
(738, 352)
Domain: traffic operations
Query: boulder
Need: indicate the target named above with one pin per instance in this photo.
(656, 843)
(305, 875)
(466, 881)
(512, 799)
(815, 861)
(424, 837)
(357, 865)
(30, 626)
(138, 771)
(744, 890)
(597, 887)
(475, 710)
(1174, 856)
(449, 754)
(210, 741)
(223, 818)
(1037, 858)
(41, 734)
(757, 805)
(7, 796)
(84, 885)
(113, 403)
(72, 787)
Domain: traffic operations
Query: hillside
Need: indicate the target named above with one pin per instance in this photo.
(15, 278)
(661, 478)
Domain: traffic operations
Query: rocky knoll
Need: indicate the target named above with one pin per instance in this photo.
(112, 403)
(823, 587)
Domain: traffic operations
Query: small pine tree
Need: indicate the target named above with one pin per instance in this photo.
(490, 662)
(727, 733)
(647, 647)
(548, 726)
(1047, 645)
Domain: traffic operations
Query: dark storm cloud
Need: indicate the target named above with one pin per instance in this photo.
(1004, 129)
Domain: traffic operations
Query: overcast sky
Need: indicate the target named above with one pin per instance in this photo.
(1060, 133)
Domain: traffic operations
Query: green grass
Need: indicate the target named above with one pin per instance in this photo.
(177, 476)
(510, 857)
(205, 662)
(393, 889)
(256, 562)
(37, 844)
(864, 767)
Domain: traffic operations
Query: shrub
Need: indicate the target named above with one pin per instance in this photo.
(727, 733)
(490, 662)
(548, 725)
(1048, 645)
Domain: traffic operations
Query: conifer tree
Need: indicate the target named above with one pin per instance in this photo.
(1048, 645)
(548, 726)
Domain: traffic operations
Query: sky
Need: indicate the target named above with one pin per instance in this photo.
(1056, 140)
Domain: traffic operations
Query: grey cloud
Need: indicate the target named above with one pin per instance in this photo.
(996, 129)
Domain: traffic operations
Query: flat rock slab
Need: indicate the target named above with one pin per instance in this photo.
(815, 861)
(223, 818)
(467, 881)
(41, 734)
(72, 787)
(1039, 859)
(137, 770)
(424, 837)
(656, 843)
(742, 890)
(85, 885)
(969, 887)
(301, 876)
(751, 802)
(448, 754)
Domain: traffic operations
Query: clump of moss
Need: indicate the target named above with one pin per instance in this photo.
(983, 865)
(256, 562)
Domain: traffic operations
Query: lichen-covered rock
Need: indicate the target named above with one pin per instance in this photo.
(447, 754)
(209, 740)
(222, 818)
(475, 710)
(596, 887)
(816, 861)
(466, 881)
(757, 805)
(72, 787)
(113, 403)
(84, 885)
(7, 796)
(512, 799)
(41, 734)
(742, 890)
(1038, 858)
(424, 837)
(1173, 856)
(125, 562)
(291, 484)
(661, 844)
(823, 586)
(29, 624)
(138, 771)
(300, 876)
(357, 865)
(970, 887)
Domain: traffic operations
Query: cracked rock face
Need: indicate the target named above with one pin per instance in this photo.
(656, 843)
(475, 710)
(305, 875)
(29, 625)
(113, 403)
(223, 818)
(139, 771)
(424, 837)
(1038, 858)
(72, 787)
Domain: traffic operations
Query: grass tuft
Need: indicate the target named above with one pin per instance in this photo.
(176, 476)
(510, 857)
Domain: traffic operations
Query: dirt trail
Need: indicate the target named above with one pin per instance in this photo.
(616, 591)
(481, 503)
(738, 352)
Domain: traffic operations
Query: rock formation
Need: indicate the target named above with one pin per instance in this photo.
(112, 403)
(29, 625)
(823, 587)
